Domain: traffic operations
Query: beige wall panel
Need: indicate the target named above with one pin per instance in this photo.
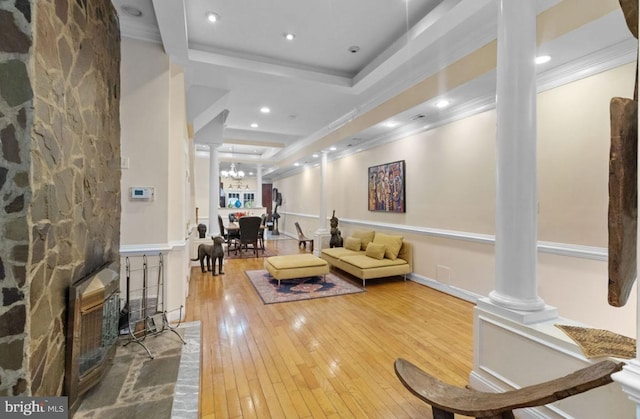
(178, 158)
(144, 116)
(201, 181)
(578, 287)
(573, 157)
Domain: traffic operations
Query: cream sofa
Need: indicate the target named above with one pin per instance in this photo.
(365, 263)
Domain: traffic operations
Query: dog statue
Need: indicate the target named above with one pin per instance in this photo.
(217, 253)
(204, 252)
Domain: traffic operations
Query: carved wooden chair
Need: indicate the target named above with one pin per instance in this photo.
(445, 399)
(302, 239)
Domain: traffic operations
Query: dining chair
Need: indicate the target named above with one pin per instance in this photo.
(249, 229)
(230, 238)
(221, 227)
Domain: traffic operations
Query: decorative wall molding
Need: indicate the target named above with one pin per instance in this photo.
(301, 215)
(141, 249)
(545, 348)
(600, 61)
(560, 249)
(609, 58)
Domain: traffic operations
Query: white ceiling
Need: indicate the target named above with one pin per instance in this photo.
(314, 84)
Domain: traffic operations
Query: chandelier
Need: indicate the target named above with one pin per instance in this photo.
(232, 173)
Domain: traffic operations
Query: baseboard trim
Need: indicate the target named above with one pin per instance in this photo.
(445, 288)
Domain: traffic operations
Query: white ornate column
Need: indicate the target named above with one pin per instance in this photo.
(214, 189)
(629, 377)
(258, 198)
(516, 189)
(321, 235)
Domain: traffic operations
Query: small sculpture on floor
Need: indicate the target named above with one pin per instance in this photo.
(336, 236)
(202, 230)
(217, 254)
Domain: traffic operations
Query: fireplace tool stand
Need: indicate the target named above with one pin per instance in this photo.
(143, 313)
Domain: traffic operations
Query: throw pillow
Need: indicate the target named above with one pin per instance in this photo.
(375, 250)
(391, 244)
(365, 236)
(352, 243)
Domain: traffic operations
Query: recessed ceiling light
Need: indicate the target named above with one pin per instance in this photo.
(315, 155)
(254, 125)
(213, 17)
(289, 36)
(541, 59)
(132, 11)
(442, 103)
(265, 109)
(296, 164)
(333, 149)
(390, 124)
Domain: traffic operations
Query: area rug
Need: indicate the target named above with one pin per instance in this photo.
(299, 289)
(249, 254)
(596, 343)
(137, 386)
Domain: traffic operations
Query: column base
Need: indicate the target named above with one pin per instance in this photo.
(521, 316)
(508, 354)
(629, 379)
(321, 239)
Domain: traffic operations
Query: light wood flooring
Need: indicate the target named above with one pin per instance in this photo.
(323, 358)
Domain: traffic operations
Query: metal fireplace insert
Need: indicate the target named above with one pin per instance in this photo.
(92, 331)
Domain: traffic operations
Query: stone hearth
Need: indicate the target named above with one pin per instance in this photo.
(137, 386)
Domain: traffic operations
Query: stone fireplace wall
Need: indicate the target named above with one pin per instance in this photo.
(59, 175)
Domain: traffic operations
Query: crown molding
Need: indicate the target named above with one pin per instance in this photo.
(141, 33)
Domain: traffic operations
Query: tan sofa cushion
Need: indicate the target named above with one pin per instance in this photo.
(295, 261)
(375, 250)
(365, 237)
(353, 243)
(338, 252)
(391, 244)
(365, 262)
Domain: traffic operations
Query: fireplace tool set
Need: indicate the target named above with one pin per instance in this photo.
(143, 313)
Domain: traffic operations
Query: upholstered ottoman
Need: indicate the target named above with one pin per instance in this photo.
(295, 266)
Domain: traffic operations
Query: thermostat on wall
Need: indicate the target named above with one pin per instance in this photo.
(142, 193)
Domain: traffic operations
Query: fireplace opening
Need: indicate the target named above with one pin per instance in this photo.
(92, 331)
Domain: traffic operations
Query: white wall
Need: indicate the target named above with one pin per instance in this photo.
(144, 116)
(450, 192)
(155, 143)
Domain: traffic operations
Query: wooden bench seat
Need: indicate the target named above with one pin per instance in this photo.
(302, 239)
(445, 399)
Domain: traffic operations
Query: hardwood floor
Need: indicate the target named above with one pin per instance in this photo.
(323, 358)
